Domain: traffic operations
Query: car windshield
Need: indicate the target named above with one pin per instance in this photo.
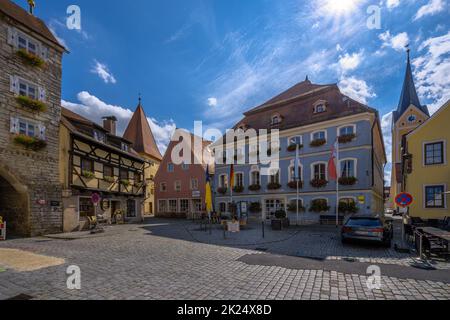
(363, 222)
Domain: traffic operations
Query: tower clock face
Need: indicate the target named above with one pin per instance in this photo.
(412, 118)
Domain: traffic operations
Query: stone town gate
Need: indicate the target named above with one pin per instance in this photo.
(14, 204)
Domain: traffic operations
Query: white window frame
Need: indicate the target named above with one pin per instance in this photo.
(292, 137)
(291, 166)
(345, 126)
(28, 40)
(125, 147)
(176, 184)
(444, 196)
(188, 205)
(194, 186)
(99, 136)
(444, 146)
(165, 204)
(236, 180)
(28, 123)
(316, 163)
(168, 206)
(320, 103)
(355, 160)
(275, 116)
(317, 131)
(226, 182)
(28, 85)
(252, 170)
(273, 172)
(161, 186)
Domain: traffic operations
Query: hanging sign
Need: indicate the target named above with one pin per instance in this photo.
(95, 198)
(404, 200)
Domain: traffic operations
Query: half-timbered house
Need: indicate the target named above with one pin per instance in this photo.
(96, 163)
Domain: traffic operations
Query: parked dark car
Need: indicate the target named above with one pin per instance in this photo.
(368, 228)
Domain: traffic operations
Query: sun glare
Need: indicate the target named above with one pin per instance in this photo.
(340, 7)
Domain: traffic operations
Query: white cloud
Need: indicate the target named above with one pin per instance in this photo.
(357, 89)
(397, 42)
(350, 62)
(386, 127)
(94, 109)
(432, 71)
(390, 4)
(338, 47)
(431, 8)
(103, 72)
(212, 102)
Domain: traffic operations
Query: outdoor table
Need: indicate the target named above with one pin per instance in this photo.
(438, 233)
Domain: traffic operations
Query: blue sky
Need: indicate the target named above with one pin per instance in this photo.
(211, 60)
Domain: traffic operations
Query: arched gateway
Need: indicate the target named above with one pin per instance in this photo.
(14, 204)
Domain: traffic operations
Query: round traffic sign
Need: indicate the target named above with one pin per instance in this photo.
(404, 199)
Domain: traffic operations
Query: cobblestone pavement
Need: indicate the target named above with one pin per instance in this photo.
(168, 260)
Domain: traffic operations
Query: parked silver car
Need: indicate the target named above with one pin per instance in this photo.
(368, 228)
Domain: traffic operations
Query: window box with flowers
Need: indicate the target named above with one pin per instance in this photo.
(32, 143)
(31, 103)
(108, 179)
(254, 187)
(319, 183)
(238, 189)
(125, 182)
(319, 205)
(274, 186)
(222, 190)
(293, 147)
(293, 184)
(318, 143)
(348, 208)
(88, 174)
(346, 138)
(30, 58)
(292, 206)
(347, 181)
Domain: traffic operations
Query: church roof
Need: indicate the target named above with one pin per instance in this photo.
(409, 94)
(140, 134)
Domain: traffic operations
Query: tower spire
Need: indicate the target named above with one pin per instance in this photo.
(409, 94)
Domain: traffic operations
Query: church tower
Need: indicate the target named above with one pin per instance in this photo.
(140, 134)
(409, 115)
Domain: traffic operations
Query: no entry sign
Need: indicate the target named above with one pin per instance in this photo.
(404, 199)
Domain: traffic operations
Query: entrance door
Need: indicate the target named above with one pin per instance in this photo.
(14, 209)
(272, 206)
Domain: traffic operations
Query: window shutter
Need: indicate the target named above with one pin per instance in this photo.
(41, 132)
(14, 125)
(14, 84)
(44, 52)
(41, 94)
(12, 36)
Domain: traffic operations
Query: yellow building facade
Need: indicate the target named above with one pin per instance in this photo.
(426, 167)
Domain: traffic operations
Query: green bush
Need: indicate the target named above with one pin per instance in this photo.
(88, 174)
(319, 206)
(348, 207)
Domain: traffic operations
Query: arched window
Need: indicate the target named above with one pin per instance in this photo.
(291, 173)
(320, 106)
(274, 176)
(319, 171)
(223, 181)
(255, 177)
(238, 179)
(319, 135)
(348, 168)
(276, 119)
(347, 130)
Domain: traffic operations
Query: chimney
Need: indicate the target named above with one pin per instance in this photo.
(109, 123)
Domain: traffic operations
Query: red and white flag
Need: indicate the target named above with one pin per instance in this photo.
(332, 170)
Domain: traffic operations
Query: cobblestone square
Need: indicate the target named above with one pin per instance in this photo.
(172, 259)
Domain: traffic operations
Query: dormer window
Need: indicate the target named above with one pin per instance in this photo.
(99, 136)
(320, 106)
(276, 120)
(125, 147)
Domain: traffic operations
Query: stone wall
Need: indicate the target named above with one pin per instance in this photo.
(35, 170)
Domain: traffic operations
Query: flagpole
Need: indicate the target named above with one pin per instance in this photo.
(297, 178)
(337, 183)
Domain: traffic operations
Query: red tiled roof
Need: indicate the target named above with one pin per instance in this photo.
(30, 21)
(140, 134)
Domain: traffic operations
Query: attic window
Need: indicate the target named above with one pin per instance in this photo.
(125, 147)
(99, 136)
(276, 119)
(320, 108)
